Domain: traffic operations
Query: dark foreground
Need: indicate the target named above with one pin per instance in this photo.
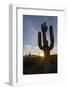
(39, 65)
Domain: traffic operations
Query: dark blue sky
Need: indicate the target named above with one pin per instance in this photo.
(31, 27)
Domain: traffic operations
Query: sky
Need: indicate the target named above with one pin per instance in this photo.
(31, 27)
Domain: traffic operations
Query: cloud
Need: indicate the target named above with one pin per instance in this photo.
(27, 46)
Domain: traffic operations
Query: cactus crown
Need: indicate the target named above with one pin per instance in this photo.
(44, 27)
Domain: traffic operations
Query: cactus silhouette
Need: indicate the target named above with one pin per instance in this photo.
(43, 42)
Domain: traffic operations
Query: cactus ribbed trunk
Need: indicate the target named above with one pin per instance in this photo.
(46, 53)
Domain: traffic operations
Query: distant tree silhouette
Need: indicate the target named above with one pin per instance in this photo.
(29, 54)
(43, 42)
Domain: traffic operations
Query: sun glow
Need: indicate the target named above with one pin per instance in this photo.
(42, 54)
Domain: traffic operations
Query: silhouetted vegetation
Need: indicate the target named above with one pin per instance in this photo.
(42, 39)
(38, 65)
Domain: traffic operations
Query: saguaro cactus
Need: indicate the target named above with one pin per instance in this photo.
(43, 42)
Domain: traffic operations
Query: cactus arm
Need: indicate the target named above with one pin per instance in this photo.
(44, 27)
(51, 38)
(44, 38)
(39, 41)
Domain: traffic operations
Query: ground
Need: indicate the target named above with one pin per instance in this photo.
(39, 65)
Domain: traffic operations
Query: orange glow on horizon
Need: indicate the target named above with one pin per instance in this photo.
(42, 54)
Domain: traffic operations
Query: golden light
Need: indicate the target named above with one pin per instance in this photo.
(41, 54)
